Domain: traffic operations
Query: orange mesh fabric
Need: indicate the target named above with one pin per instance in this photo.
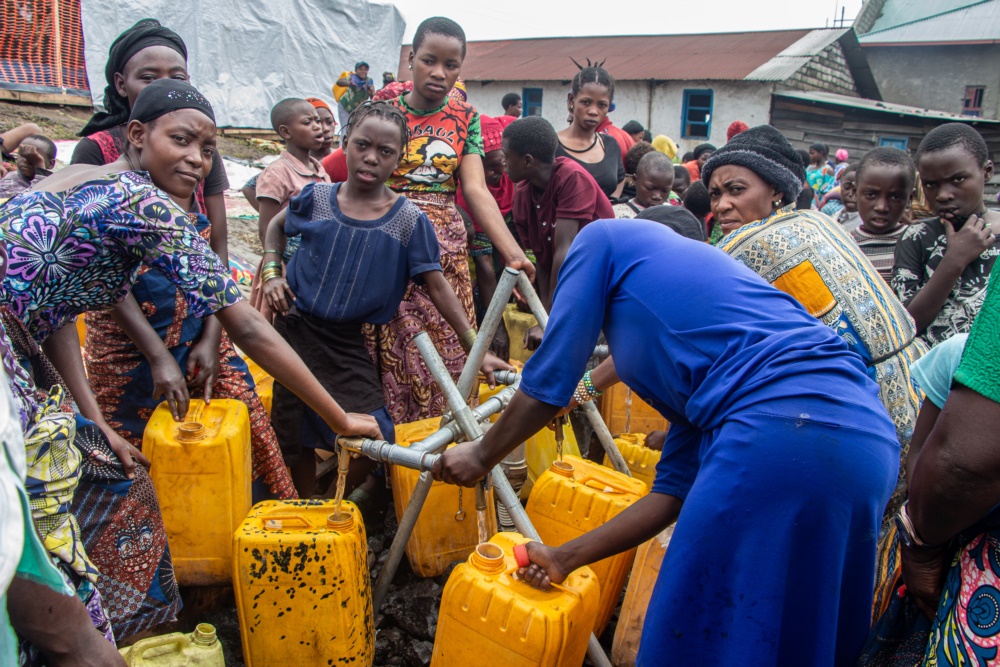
(41, 45)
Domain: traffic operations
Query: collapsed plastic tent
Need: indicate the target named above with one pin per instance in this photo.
(246, 55)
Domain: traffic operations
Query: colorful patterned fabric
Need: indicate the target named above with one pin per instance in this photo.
(410, 391)
(811, 257)
(439, 138)
(82, 249)
(122, 379)
(820, 179)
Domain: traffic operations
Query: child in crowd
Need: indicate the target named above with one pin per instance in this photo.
(511, 104)
(699, 202)
(10, 140)
(818, 172)
(654, 182)
(361, 244)
(36, 156)
(557, 198)
(885, 185)
(942, 265)
(848, 216)
(682, 180)
(632, 158)
(699, 156)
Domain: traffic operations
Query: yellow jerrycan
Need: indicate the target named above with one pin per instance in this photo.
(489, 617)
(645, 570)
(446, 530)
(575, 496)
(302, 585)
(201, 471)
(200, 648)
(540, 449)
(641, 459)
(264, 383)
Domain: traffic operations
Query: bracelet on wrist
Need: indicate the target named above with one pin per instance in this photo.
(467, 340)
(272, 252)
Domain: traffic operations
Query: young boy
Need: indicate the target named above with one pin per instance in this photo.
(848, 216)
(361, 244)
(36, 156)
(555, 199)
(885, 185)
(682, 180)
(942, 265)
(654, 182)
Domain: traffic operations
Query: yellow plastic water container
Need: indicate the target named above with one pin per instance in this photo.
(263, 382)
(446, 530)
(517, 324)
(641, 460)
(201, 471)
(540, 451)
(200, 648)
(645, 570)
(575, 496)
(302, 585)
(487, 616)
(639, 417)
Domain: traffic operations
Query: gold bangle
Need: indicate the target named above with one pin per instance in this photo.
(467, 340)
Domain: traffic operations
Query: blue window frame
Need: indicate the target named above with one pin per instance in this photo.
(696, 116)
(894, 142)
(531, 102)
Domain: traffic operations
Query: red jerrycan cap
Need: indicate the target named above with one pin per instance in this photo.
(521, 555)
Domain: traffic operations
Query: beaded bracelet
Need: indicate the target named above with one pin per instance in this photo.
(588, 383)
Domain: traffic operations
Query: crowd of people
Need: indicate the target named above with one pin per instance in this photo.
(820, 333)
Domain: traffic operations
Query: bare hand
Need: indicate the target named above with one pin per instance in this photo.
(522, 263)
(545, 568)
(533, 338)
(123, 450)
(31, 155)
(461, 465)
(923, 573)
(969, 242)
(203, 366)
(278, 295)
(655, 440)
(493, 363)
(169, 384)
(361, 425)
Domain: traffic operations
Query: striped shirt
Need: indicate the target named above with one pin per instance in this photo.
(879, 248)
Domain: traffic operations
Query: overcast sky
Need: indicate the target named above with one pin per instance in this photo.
(511, 19)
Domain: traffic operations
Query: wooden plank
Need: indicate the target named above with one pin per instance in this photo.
(61, 99)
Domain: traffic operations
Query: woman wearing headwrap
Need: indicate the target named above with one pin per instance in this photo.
(665, 145)
(776, 468)
(329, 124)
(151, 347)
(699, 156)
(77, 243)
(753, 181)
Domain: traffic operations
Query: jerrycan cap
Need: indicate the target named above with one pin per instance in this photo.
(562, 468)
(204, 635)
(341, 521)
(521, 555)
(190, 431)
(487, 558)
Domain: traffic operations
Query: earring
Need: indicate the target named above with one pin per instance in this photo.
(571, 108)
(411, 68)
(776, 204)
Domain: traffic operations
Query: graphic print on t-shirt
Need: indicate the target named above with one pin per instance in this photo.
(428, 160)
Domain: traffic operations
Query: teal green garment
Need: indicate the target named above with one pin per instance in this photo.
(980, 367)
(935, 370)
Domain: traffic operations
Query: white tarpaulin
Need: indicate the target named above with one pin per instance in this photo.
(246, 55)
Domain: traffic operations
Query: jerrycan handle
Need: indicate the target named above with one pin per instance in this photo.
(521, 556)
(158, 642)
(600, 485)
(280, 521)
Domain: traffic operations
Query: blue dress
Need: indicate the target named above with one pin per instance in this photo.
(778, 445)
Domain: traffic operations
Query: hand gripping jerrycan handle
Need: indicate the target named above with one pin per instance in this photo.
(521, 556)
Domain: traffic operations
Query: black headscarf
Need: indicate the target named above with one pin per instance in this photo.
(676, 218)
(145, 33)
(166, 95)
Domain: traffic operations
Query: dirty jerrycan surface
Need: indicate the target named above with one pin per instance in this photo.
(641, 459)
(200, 648)
(488, 617)
(264, 383)
(539, 449)
(302, 585)
(446, 530)
(572, 498)
(201, 471)
(645, 570)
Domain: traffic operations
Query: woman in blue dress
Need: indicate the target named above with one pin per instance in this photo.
(777, 466)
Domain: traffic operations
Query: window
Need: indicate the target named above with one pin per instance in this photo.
(531, 102)
(894, 142)
(972, 103)
(696, 118)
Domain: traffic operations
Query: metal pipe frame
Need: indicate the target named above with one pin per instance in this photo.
(491, 320)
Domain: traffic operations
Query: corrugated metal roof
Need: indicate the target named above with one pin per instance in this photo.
(714, 57)
(834, 99)
(796, 56)
(813, 43)
(977, 22)
(897, 12)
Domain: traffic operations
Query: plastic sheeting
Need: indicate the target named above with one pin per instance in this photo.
(246, 55)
